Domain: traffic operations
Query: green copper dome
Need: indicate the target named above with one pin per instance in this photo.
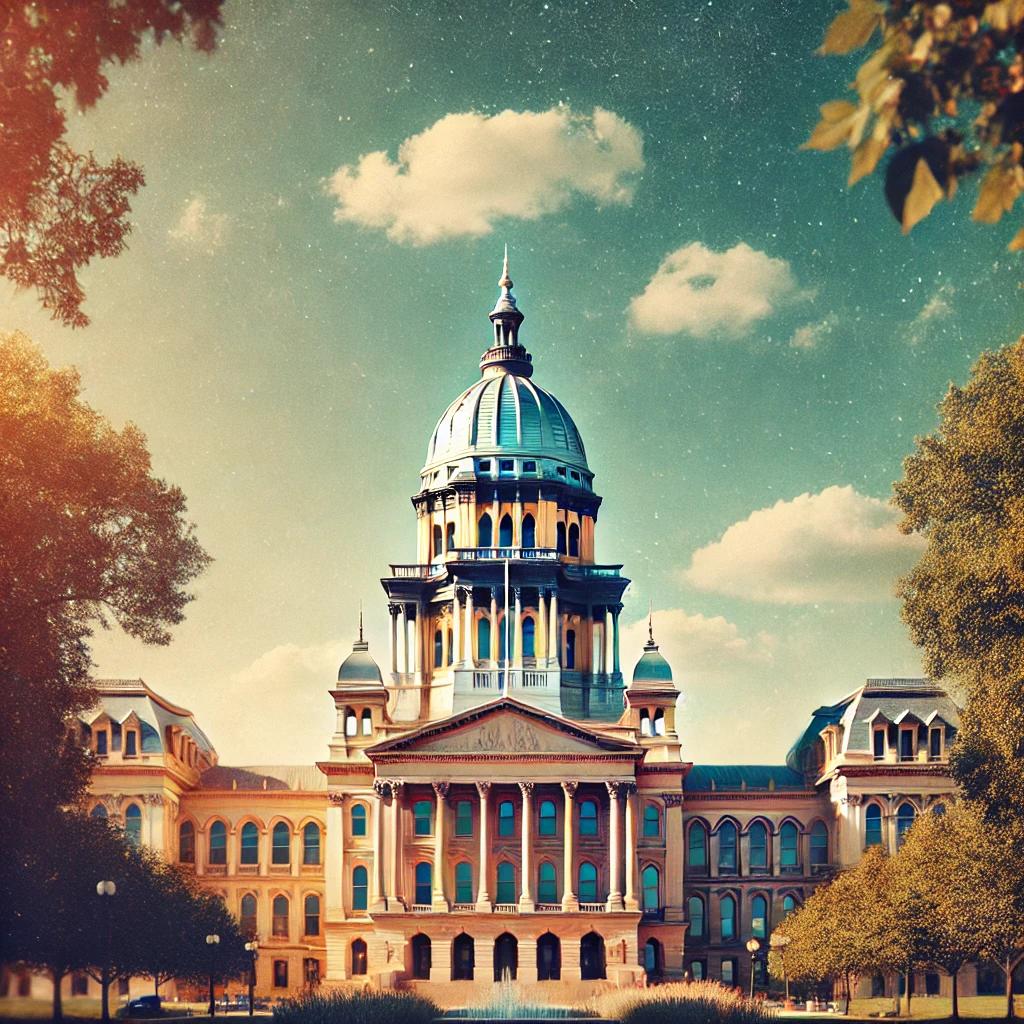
(652, 671)
(359, 670)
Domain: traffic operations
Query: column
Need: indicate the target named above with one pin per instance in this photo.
(393, 612)
(517, 651)
(456, 624)
(395, 865)
(569, 900)
(405, 637)
(616, 666)
(417, 642)
(554, 633)
(378, 902)
(542, 630)
(614, 848)
(673, 892)
(296, 860)
(608, 655)
(494, 626)
(334, 858)
(264, 856)
(440, 797)
(470, 627)
(526, 903)
(483, 898)
(631, 823)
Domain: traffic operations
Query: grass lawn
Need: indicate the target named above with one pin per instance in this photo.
(992, 1008)
(78, 1009)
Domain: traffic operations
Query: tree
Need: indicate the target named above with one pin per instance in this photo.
(90, 536)
(943, 91)
(59, 208)
(963, 490)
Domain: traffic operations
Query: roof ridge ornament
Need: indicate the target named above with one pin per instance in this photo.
(650, 645)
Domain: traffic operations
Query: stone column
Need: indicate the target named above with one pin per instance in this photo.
(631, 824)
(378, 899)
(494, 627)
(569, 900)
(440, 904)
(334, 858)
(395, 881)
(296, 843)
(526, 904)
(483, 898)
(542, 630)
(456, 624)
(616, 665)
(417, 642)
(614, 847)
(405, 637)
(393, 612)
(517, 634)
(554, 631)
(673, 893)
(609, 659)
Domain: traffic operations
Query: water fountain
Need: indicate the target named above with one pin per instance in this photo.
(506, 1003)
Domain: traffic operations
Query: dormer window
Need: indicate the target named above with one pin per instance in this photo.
(878, 744)
(101, 742)
(935, 744)
(131, 743)
(907, 744)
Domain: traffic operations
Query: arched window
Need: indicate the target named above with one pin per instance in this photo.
(727, 910)
(451, 648)
(873, 825)
(250, 852)
(587, 883)
(650, 883)
(422, 814)
(464, 882)
(133, 824)
(659, 722)
(570, 648)
(759, 917)
(484, 532)
(574, 541)
(505, 532)
(588, 818)
(506, 818)
(186, 842)
(904, 819)
(819, 845)
(938, 809)
(462, 958)
(247, 918)
(218, 843)
(529, 648)
(547, 885)
(652, 821)
(311, 915)
(424, 883)
(438, 648)
(695, 912)
(357, 819)
(99, 811)
(645, 723)
(697, 846)
(438, 550)
(789, 847)
(549, 958)
(592, 958)
(652, 958)
(367, 721)
(421, 957)
(360, 888)
(449, 536)
(506, 882)
(351, 723)
(529, 532)
(358, 958)
(788, 906)
(280, 917)
(560, 547)
(727, 847)
(758, 847)
(548, 818)
(311, 846)
(483, 638)
(281, 843)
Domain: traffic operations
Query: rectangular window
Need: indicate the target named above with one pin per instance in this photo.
(311, 971)
(463, 884)
(421, 813)
(280, 974)
(729, 972)
(906, 745)
(79, 984)
(561, 470)
(879, 741)
(935, 744)
(485, 465)
(464, 818)
(574, 475)
(131, 743)
(697, 970)
(529, 466)
(506, 465)
(506, 819)
(101, 742)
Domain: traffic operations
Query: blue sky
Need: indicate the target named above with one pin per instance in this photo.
(294, 313)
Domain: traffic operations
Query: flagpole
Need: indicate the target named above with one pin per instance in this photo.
(504, 686)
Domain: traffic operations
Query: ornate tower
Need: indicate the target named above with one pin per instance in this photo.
(504, 597)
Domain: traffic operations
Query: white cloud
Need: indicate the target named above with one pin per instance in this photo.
(938, 308)
(700, 292)
(836, 546)
(199, 227)
(811, 335)
(465, 171)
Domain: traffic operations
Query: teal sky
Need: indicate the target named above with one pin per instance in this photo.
(288, 367)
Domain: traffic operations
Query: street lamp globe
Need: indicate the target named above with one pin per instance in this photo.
(212, 940)
(105, 888)
(753, 946)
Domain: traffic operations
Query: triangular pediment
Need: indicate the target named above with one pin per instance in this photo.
(505, 727)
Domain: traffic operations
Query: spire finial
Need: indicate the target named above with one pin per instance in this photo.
(506, 281)
(361, 620)
(650, 621)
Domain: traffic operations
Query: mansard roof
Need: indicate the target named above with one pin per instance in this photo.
(706, 778)
(300, 778)
(900, 700)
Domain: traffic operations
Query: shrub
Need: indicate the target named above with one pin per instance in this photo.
(694, 1002)
(356, 1006)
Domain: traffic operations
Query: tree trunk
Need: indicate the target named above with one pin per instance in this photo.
(910, 985)
(956, 1004)
(58, 1005)
(156, 984)
(846, 979)
(1009, 988)
(105, 995)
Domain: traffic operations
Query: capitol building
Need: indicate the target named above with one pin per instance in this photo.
(501, 796)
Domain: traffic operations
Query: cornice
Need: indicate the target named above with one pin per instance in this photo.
(940, 771)
(473, 758)
(755, 796)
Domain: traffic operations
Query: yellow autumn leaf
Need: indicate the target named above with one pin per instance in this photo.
(837, 121)
(866, 157)
(1003, 14)
(852, 28)
(999, 191)
(924, 193)
(1017, 242)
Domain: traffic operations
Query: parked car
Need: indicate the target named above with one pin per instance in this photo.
(143, 1006)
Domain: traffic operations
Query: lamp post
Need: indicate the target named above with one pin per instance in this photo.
(105, 890)
(253, 949)
(212, 941)
(780, 942)
(752, 947)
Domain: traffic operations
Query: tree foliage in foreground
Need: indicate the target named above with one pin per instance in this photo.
(963, 491)
(60, 208)
(943, 93)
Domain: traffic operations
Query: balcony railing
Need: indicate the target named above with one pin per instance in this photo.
(593, 908)
(527, 679)
(500, 554)
(506, 908)
(416, 572)
(463, 908)
(549, 908)
(421, 908)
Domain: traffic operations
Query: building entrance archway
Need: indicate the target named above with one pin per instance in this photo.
(421, 957)
(549, 958)
(506, 957)
(463, 958)
(591, 957)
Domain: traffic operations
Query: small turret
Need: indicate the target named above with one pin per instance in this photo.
(652, 697)
(360, 700)
(505, 352)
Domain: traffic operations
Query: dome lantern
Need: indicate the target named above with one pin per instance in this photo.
(506, 354)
